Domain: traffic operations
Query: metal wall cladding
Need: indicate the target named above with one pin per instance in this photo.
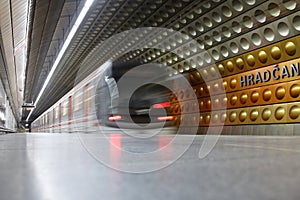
(270, 104)
(223, 30)
(270, 93)
(270, 114)
(273, 54)
(265, 102)
(240, 42)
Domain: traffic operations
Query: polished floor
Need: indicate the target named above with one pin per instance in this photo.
(46, 166)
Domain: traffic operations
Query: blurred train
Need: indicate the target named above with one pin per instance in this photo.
(97, 101)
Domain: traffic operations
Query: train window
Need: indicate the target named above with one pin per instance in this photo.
(65, 108)
(87, 98)
(56, 112)
(53, 115)
(70, 108)
(78, 101)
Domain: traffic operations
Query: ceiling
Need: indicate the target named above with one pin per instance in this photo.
(105, 19)
(211, 23)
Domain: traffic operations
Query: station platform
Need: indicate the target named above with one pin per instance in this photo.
(44, 166)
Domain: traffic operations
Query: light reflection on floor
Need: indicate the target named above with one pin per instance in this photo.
(57, 166)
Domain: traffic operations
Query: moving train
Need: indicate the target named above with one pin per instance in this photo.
(100, 101)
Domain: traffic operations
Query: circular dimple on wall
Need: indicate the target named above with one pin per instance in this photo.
(295, 91)
(224, 51)
(207, 5)
(216, 102)
(223, 117)
(225, 84)
(250, 60)
(274, 9)
(230, 66)
(276, 53)
(201, 119)
(186, 66)
(193, 47)
(199, 27)
(207, 22)
(232, 116)
(198, 76)
(290, 48)
(226, 32)
(280, 93)
(200, 61)
(224, 102)
(250, 2)
(178, 39)
(245, 43)
(233, 100)
(217, 36)
(191, 31)
(237, 5)
(247, 21)
(266, 114)
(294, 112)
(201, 105)
(215, 118)
(193, 64)
(221, 68)
(216, 17)
(290, 4)
(208, 104)
(283, 29)
(208, 40)
(255, 38)
(254, 115)
(260, 16)
(296, 22)
(267, 94)
(198, 11)
(240, 63)
(254, 96)
(234, 47)
(207, 119)
(243, 116)
(243, 98)
(236, 27)
(269, 34)
(215, 54)
(204, 73)
(279, 113)
(262, 57)
(191, 16)
(226, 11)
(216, 85)
(207, 58)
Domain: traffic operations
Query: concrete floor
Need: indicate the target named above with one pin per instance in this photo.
(67, 166)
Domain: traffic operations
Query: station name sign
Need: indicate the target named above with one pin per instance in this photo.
(276, 73)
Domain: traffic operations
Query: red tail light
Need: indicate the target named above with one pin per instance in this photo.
(115, 118)
(165, 118)
(162, 105)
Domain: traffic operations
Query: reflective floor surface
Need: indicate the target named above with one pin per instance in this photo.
(77, 166)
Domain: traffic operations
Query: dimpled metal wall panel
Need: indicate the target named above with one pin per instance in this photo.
(255, 47)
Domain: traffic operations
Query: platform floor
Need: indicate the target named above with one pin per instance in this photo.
(60, 167)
